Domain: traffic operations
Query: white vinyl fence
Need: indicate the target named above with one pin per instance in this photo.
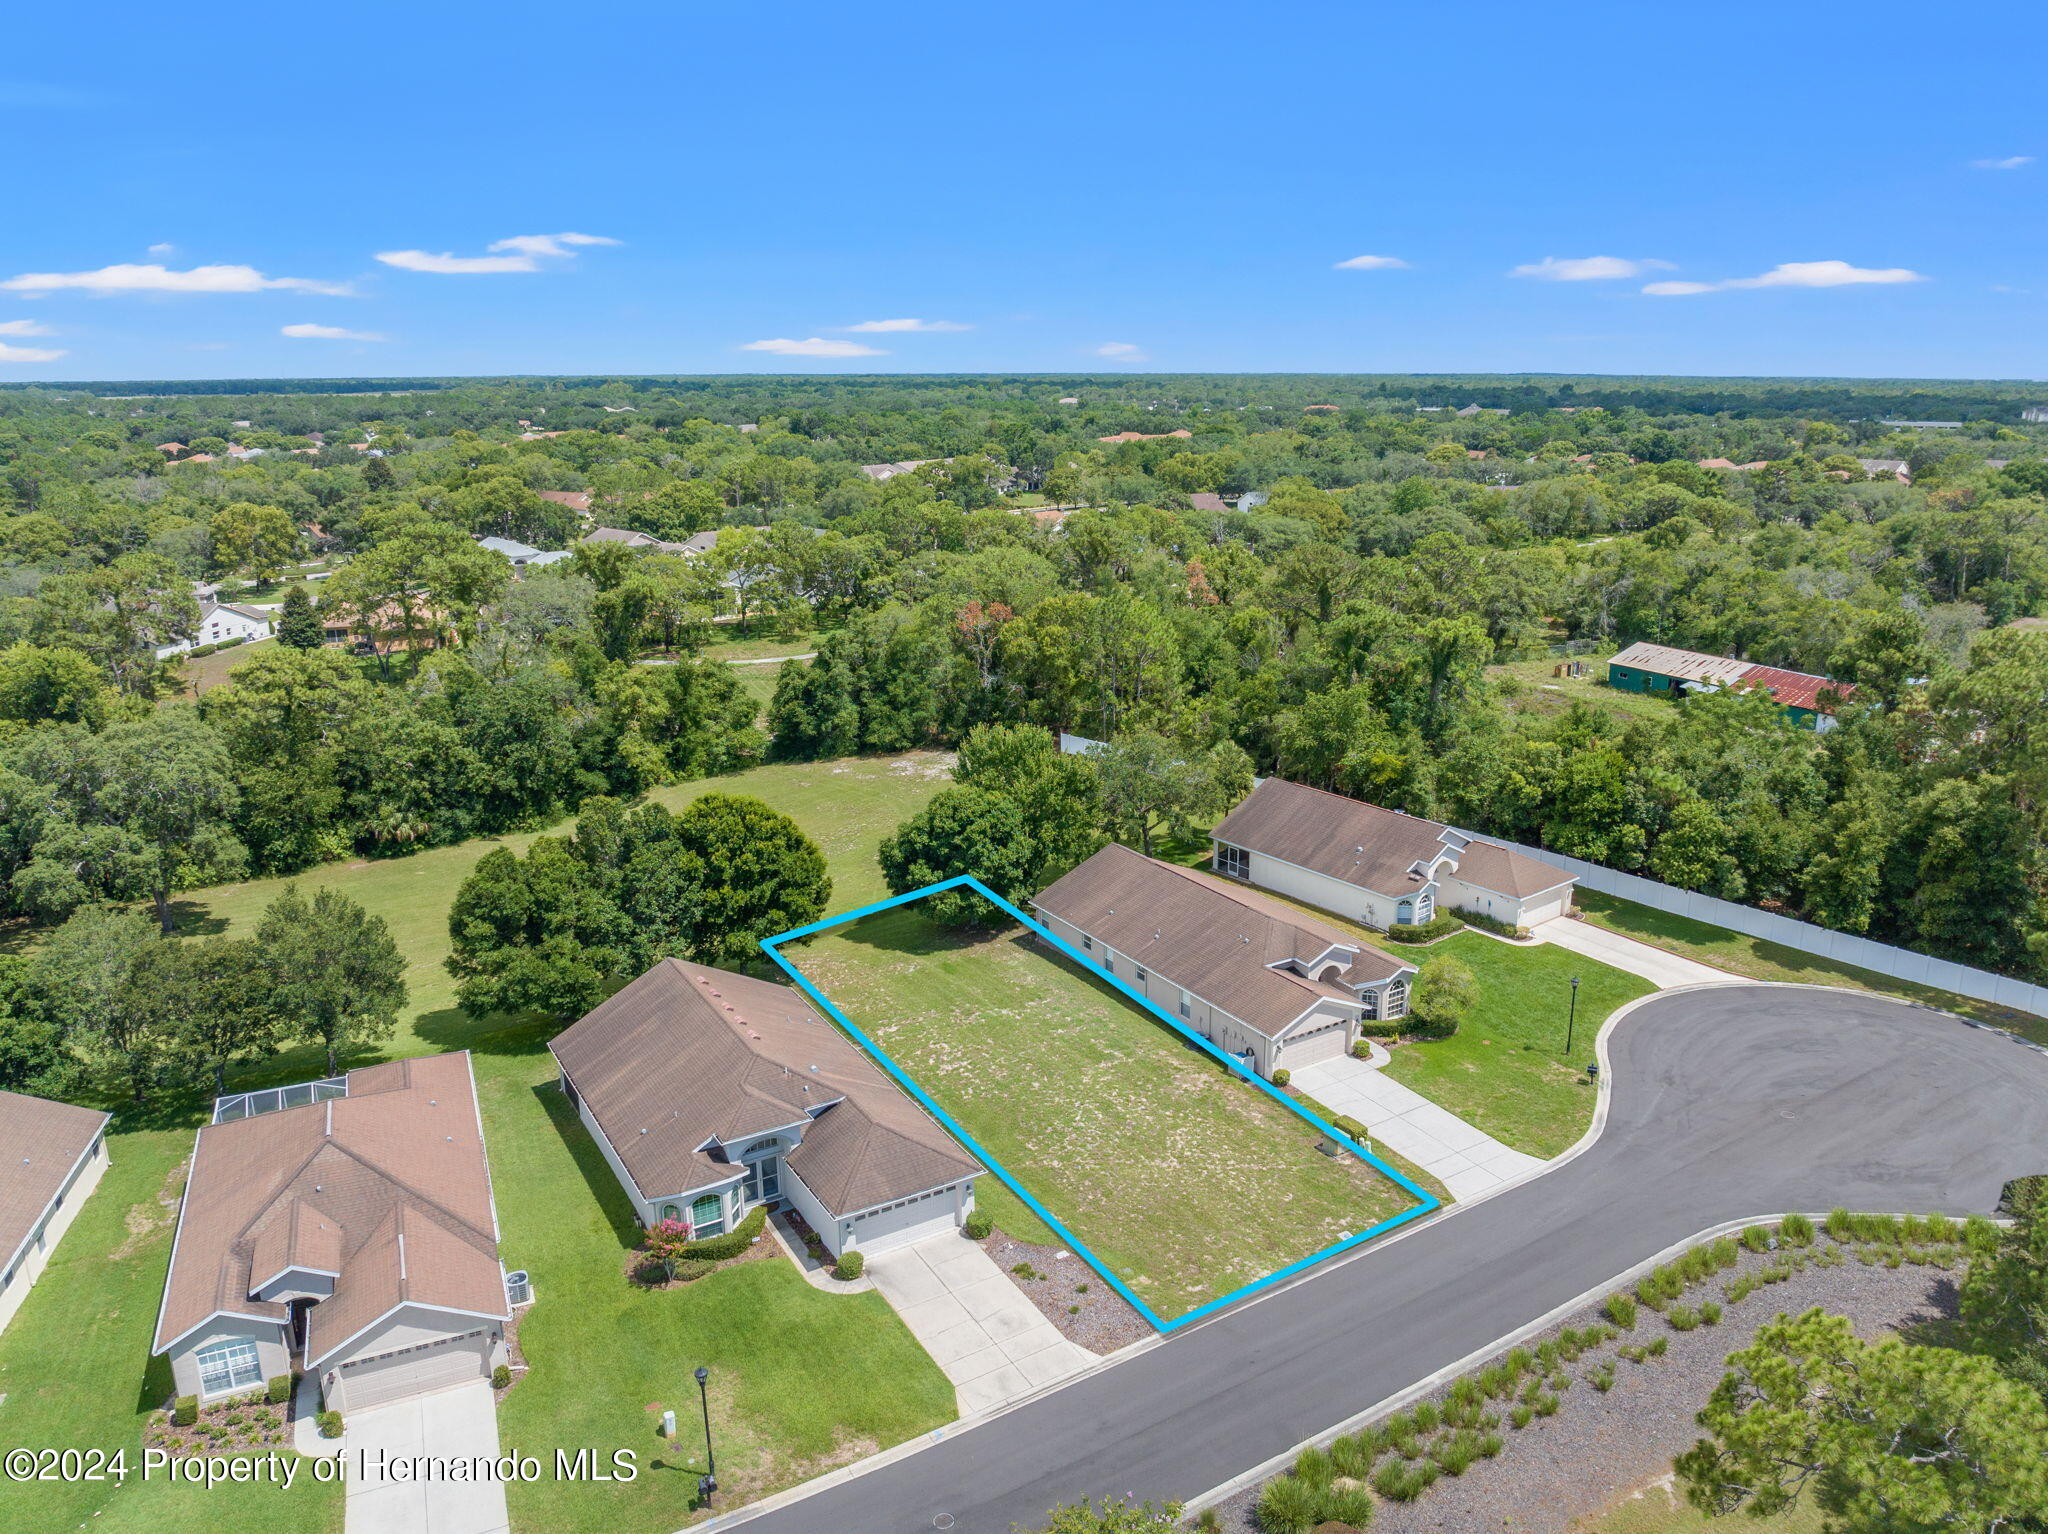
(1842, 947)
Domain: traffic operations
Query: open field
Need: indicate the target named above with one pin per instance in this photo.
(75, 1369)
(846, 807)
(800, 1379)
(1186, 1181)
(1542, 694)
(762, 643)
(1661, 1508)
(1761, 960)
(1505, 1070)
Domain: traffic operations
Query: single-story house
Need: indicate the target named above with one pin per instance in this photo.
(1208, 500)
(690, 547)
(1887, 468)
(881, 471)
(1146, 436)
(575, 500)
(522, 554)
(1377, 866)
(53, 1154)
(220, 622)
(1259, 980)
(353, 1237)
(1807, 700)
(710, 1093)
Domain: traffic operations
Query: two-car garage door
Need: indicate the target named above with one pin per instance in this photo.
(1324, 1043)
(386, 1377)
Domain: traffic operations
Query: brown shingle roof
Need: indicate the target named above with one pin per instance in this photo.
(1214, 939)
(402, 1154)
(1376, 849)
(41, 1143)
(687, 1055)
(575, 500)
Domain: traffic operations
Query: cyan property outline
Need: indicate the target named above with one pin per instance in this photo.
(1426, 1203)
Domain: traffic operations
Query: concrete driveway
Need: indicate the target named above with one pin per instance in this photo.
(1726, 1103)
(449, 1424)
(1467, 1161)
(1663, 970)
(981, 1329)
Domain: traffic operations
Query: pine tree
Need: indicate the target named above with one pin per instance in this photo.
(298, 626)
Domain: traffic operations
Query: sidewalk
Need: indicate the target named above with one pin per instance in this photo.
(1661, 969)
(1467, 1161)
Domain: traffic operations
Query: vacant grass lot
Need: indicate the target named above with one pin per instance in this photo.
(801, 1380)
(1505, 1070)
(1186, 1181)
(1761, 960)
(1542, 694)
(75, 1368)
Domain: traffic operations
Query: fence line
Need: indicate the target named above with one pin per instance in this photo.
(1823, 942)
(1843, 947)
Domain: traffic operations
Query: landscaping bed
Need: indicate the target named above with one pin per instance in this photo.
(1133, 1138)
(1070, 1294)
(1566, 1460)
(244, 1425)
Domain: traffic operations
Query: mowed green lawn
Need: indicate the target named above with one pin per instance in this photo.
(1185, 1180)
(801, 1380)
(1505, 1070)
(846, 807)
(76, 1373)
(1761, 960)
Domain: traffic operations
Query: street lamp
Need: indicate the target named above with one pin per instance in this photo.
(1573, 1022)
(707, 1483)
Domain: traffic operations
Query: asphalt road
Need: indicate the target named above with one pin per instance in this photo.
(1728, 1102)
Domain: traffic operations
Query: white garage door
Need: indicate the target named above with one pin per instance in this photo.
(880, 1230)
(386, 1377)
(1325, 1043)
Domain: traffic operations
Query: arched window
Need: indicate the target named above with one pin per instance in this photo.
(707, 1216)
(760, 1148)
(671, 1212)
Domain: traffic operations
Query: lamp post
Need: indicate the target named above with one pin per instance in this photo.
(707, 1483)
(1572, 1022)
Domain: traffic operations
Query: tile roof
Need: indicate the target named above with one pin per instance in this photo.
(390, 1184)
(41, 1142)
(1205, 500)
(1216, 939)
(687, 1055)
(575, 500)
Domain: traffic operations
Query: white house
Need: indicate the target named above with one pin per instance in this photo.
(522, 554)
(1259, 980)
(51, 1157)
(711, 1093)
(352, 1236)
(220, 622)
(1377, 866)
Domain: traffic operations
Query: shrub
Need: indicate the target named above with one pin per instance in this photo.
(278, 1390)
(1796, 1230)
(734, 1241)
(1282, 1076)
(1941, 1230)
(1980, 1235)
(1658, 1347)
(1443, 924)
(1396, 1482)
(1362, 1050)
(1621, 1310)
(1315, 1467)
(690, 1269)
(1546, 1404)
(1841, 1224)
(1427, 1417)
(1682, 1318)
(1454, 1452)
(1349, 1127)
(1710, 1313)
(1757, 1237)
(1490, 1445)
(1289, 1506)
(1741, 1289)
(1520, 1416)
(979, 1225)
(1487, 923)
(1347, 1505)
(329, 1423)
(501, 1377)
(849, 1266)
(184, 1411)
(1603, 1378)
(1355, 1454)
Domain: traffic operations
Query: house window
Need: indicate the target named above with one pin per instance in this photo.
(228, 1366)
(1141, 977)
(1234, 861)
(1397, 1000)
(671, 1212)
(1372, 1005)
(1187, 1008)
(1109, 960)
(1087, 943)
(707, 1216)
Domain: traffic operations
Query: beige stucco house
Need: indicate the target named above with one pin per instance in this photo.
(51, 1157)
(353, 1237)
(1260, 980)
(1379, 867)
(711, 1093)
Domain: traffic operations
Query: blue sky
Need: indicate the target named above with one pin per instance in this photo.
(1176, 183)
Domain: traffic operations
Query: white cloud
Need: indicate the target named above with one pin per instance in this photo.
(1122, 351)
(28, 353)
(549, 244)
(1587, 268)
(24, 328)
(448, 264)
(2010, 162)
(520, 253)
(154, 278)
(815, 346)
(882, 327)
(1373, 264)
(1795, 274)
(328, 333)
(162, 248)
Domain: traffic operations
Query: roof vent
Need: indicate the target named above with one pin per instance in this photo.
(643, 1131)
(814, 1067)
